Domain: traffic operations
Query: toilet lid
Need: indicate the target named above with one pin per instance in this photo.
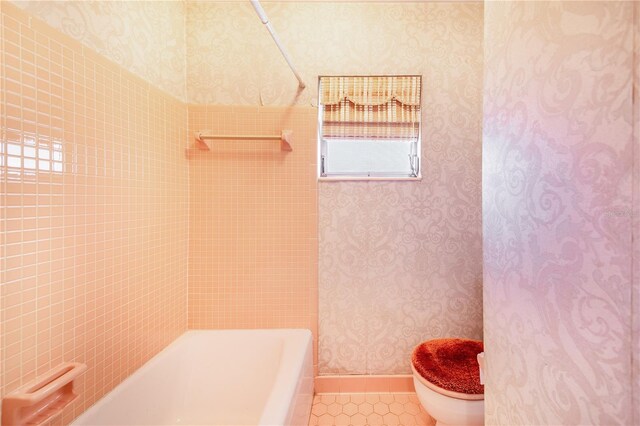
(450, 364)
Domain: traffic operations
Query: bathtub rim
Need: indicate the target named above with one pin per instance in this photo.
(282, 396)
(275, 403)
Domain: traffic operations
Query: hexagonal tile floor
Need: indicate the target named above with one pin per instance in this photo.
(360, 409)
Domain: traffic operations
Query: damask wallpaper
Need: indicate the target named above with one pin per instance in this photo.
(144, 37)
(635, 309)
(557, 212)
(399, 262)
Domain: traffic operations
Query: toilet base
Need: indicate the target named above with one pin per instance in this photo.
(449, 411)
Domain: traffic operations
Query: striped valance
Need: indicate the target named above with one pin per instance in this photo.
(371, 107)
(370, 90)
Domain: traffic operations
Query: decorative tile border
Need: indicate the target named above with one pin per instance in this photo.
(364, 383)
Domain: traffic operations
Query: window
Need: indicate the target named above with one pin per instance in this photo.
(369, 127)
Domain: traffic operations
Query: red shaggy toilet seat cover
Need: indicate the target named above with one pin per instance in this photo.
(450, 364)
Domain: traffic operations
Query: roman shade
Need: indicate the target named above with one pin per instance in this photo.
(370, 107)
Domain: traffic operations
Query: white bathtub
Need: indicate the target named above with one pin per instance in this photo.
(216, 377)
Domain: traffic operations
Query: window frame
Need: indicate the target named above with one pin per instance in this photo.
(416, 150)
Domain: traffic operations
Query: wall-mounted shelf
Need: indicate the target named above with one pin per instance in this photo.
(202, 136)
(43, 398)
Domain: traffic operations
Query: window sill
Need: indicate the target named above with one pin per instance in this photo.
(366, 178)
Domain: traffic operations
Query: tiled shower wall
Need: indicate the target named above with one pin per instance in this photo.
(253, 220)
(94, 212)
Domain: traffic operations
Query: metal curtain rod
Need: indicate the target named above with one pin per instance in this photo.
(265, 20)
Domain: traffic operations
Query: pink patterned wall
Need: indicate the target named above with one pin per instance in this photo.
(635, 308)
(401, 262)
(557, 212)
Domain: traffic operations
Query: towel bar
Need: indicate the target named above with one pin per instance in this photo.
(284, 137)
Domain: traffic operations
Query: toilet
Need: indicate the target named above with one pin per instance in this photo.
(446, 376)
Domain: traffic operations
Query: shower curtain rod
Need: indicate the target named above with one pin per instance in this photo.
(265, 20)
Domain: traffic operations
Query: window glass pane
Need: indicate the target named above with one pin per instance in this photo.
(360, 157)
